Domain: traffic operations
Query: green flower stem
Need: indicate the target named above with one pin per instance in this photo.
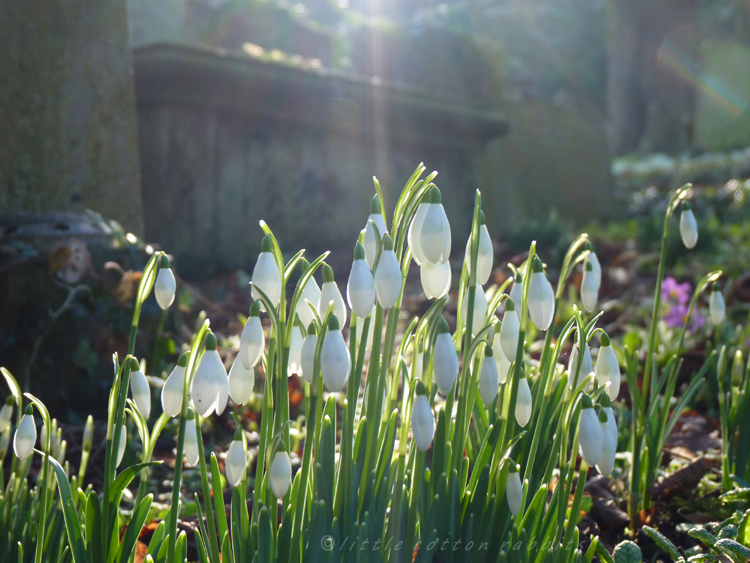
(265, 438)
(213, 540)
(372, 382)
(42, 485)
(416, 487)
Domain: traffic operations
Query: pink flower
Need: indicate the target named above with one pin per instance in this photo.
(673, 292)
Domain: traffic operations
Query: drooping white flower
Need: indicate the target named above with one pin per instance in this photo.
(165, 285)
(509, 330)
(307, 357)
(25, 438)
(541, 297)
(171, 392)
(576, 375)
(609, 438)
(444, 358)
(435, 232)
(360, 289)
(121, 445)
(294, 363)
(236, 463)
(514, 490)
(335, 361)
(330, 292)
(607, 368)
(716, 306)
(210, 388)
(422, 419)
(388, 276)
(502, 363)
(589, 433)
(192, 453)
(241, 382)
(4, 442)
(6, 413)
(479, 317)
(436, 279)
(141, 393)
(252, 339)
(266, 274)
(372, 239)
(589, 288)
(310, 292)
(523, 402)
(485, 255)
(489, 379)
(688, 226)
(281, 474)
(596, 266)
(415, 227)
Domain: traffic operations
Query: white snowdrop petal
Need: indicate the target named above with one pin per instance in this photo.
(485, 255)
(509, 331)
(171, 392)
(267, 277)
(192, 453)
(590, 436)
(388, 279)
(335, 361)
(514, 492)
(587, 366)
(252, 342)
(422, 422)
(205, 390)
(688, 228)
(330, 292)
(502, 363)
(589, 290)
(370, 330)
(414, 228)
(370, 242)
(236, 463)
(523, 403)
(141, 393)
(294, 364)
(431, 234)
(25, 437)
(445, 363)
(516, 294)
(121, 445)
(436, 279)
(447, 239)
(717, 307)
(311, 292)
(307, 357)
(165, 287)
(360, 290)
(608, 371)
(6, 413)
(281, 474)
(609, 445)
(596, 268)
(241, 382)
(479, 317)
(489, 380)
(541, 301)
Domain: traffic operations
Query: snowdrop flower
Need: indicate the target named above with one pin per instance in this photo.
(210, 388)
(252, 339)
(311, 293)
(88, 434)
(281, 473)
(434, 235)
(294, 364)
(576, 375)
(607, 368)
(236, 463)
(541, 297)
(523, 402)
(444, 359)
(388, 276)
(4, 442)
(436, 279)
(422, 419)
(360, 290)
(589, 433)
(171, 392)
(335, 361)
(502, 363)
(688, 226)
(509, 330)
(25, 438)
(330, 292)
(121, 445)
(307, 357)
(370, 330)
(516, 292)
(589, 288)
(489, 379)
(514, 489)
(241, 382)
(485, 255)
(372, 239)
(609, 438)
(479, 316)
(266, 274)
(141, 392)
(165, 285)
(415, 227)
(6, 413)
(596, 267)
(192, 453)
(716, 307)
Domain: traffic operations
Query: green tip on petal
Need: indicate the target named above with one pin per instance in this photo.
(28, 410)
(359, 252)
(589, 267)
(602, 416)
(333, 322)
(255, 309)
(512, 468)
(686, 205)
(210, 341)
(586, 401)
(164, 262)
(312, 329)
(327, 274)
(267, 244)
(605, 401)
(604, 339)
(442, 327)
(375, 207)
(421, 389)
(481, 217)
(510, 305)
(488, 351)
(387, 242)
(10, 401)
(238, 434)
(537, 266)
(183, 361)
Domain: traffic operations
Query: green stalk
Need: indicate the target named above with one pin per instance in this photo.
(213, 540)
(416, 487)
